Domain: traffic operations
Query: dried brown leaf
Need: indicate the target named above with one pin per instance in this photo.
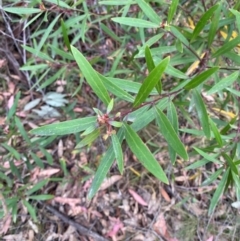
(137, 197)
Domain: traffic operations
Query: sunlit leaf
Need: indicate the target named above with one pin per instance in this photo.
(135, 22)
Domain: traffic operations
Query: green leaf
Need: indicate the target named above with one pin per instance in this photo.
(134, 22)
(208, 157)
(110, 106)
(214, 26)
(46, 34)
(103, 168)
(237, 15)
(88, 139)
(213, 177)
(172, 10)
(225, 82)
(149, 59)
(91, 76)
(22, 11)
(202, 113)
(37, 186)
(30, 209)
(226, 47)
(170, 135)
(42, 197)
(150, 82)
(37, 160)
(203, 21)
(66, 127)
(149, 12)
(216, 133)
(173, 119)
(116, 89)
(179, 35)
(65, 35)
(143, 154)
(118, 152)
(200, 78)
(230, 163)
(12, 151)
(151, 66)
(13, 109)
(219, 191)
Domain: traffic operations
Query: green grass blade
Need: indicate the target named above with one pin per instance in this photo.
(22, 11)
(219, 191)
(31, 210)
(149, 12)
(134, 22)
(91, 76)
(170, 135)
(150, 82)
(202, 113)
(65, 127)
(143, 154)
(216, 132)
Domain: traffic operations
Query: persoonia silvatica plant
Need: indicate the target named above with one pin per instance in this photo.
(147, 105)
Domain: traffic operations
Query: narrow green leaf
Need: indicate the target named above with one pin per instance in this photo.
(118, 152)
(230, 163)
(149, 59)
(216, 132)
(13, 109)
(47, 155)
(225, 82)
(8, 180)
(46, 34)
(12, 151)
(41, 197)
(172, 10)
(214, 25)
(88, 139)
(109, 32)
(37, 186)
(22, 11)
(200, 78)
(179, 35)
(149, 12)
(143, 154)
(173, 119)
(202, 113)
(103, 168)
(150, 82)
(213, 177)
(66, 127)
(91, 76)
(151, 66)
(170, 135)
(110, 106)
(207, 156)
(203, 21)
(134, 22)
(37, 160)
(237, 15)
(116, 89)
(65, 35)
(30, 209)
(226, 47)
(219, 191)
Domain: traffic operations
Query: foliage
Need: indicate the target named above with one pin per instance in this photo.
(177, 73)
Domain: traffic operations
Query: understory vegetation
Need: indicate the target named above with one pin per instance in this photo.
(121, 119)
